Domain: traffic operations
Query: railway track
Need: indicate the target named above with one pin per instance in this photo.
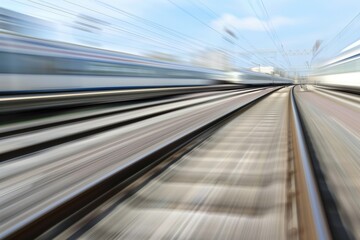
(22, 122)
(29, 102)
(229, 165)
(331, 120)
(28, 138)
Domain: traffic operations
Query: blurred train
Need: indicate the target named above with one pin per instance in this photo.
(342, 71)
(36, 65)
(251, 78)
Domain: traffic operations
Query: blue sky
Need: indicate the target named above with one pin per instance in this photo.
(298, 24)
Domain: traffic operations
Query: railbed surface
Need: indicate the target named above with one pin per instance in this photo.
(35, 184)
(232, 186)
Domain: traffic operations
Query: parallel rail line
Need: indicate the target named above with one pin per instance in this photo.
(308, 219)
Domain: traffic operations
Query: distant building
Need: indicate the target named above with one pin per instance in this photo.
(215, 59)
(263, 69)
(269, 70)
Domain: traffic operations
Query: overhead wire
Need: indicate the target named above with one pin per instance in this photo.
(269, 33)
(158, 26)
(174, 46)
(141, 36)
(153, 24)
(171, 34)
(114, 29)
(341, 32)
(272, 28)
(254, 52)
(208, 26)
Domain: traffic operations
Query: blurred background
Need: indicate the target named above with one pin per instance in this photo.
(283, 38)
(179, 119)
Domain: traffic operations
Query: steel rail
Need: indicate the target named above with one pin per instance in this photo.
(313, 226)
(45, 138)
(26, 102)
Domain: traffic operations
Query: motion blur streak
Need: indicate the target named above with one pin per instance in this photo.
(171, 119)
(43, 180)
(224, 187)
(332, 123)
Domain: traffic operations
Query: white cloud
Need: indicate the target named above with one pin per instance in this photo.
(251, 23)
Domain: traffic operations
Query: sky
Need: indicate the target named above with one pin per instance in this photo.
(253, 32)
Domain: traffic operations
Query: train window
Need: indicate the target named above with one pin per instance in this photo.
(36, 64)
(69, 66)
(26, 64)
(102, 68)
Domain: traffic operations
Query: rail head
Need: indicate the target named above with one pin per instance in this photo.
(314, 224)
